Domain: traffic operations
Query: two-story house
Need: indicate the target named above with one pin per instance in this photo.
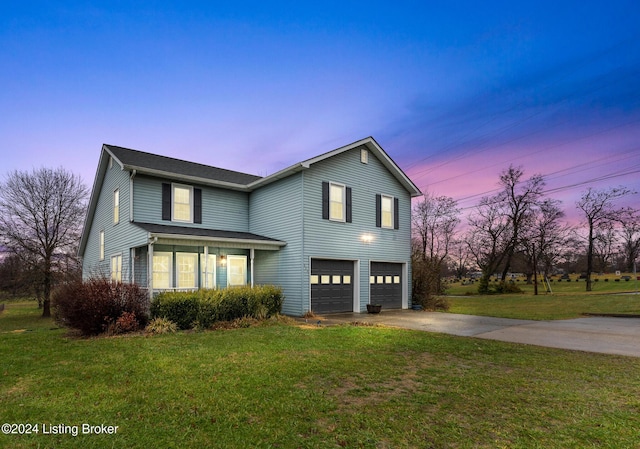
(333, 231)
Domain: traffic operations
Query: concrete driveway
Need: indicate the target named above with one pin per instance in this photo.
(593, 334)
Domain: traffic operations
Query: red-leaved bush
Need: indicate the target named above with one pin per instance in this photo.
(97, 305)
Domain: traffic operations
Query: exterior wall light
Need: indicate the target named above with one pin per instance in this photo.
(366, 238)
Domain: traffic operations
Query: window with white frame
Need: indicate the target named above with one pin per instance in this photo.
(101, 245)
(386, 210)
(116, 268)
(337, 202)
(162, 263)
(236, 270)
(116, 206)
(182, 207)
(187, 270)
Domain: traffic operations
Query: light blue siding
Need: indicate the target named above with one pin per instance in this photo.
(276, 212)
(337, 240)
(119, 237)
(221, 209)
(291, 210)
(288, 209)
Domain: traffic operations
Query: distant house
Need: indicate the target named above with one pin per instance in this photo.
(333, 231)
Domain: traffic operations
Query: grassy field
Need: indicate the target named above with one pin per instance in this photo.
(282, 385)
(567, 299)
(601, 284)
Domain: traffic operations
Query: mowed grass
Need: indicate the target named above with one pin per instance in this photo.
(558, 306)
(282, 385)
(566, 300)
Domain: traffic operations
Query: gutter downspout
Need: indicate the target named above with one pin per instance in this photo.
(133, 175)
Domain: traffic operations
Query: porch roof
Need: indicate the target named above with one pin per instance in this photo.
(211, 236)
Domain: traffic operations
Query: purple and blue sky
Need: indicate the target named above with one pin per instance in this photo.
(453, 91)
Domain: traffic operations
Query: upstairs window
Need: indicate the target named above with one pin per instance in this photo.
(182, 200)
(336, 202)
(387, 212)
(181, 203)
(116, 206)
(101, 245)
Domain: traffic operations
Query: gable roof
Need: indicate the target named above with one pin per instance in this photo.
(136, 161)
(168, 167)
(368, 143)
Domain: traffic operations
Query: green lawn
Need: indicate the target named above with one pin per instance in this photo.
(545, 307)
(285, 386)
(567, 299)
(601, 284)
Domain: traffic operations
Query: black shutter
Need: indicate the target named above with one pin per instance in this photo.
(348, 203)
(166, 201)
(197, 205)
(396, 215)
(378, 211)
(325, 200)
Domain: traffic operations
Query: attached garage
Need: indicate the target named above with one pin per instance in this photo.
(385, 283)
(331, 285)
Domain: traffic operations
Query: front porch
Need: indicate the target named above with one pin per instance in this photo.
(184, 259)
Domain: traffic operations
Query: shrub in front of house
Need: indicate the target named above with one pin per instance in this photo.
(203, 308)
(99, 305)
(179, 307)
(161, 326)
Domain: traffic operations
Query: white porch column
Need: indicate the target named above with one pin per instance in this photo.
(252, 255)
(150, 270)
(206, 267)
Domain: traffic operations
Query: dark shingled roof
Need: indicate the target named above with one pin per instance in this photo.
(200, 232)
(140, 160)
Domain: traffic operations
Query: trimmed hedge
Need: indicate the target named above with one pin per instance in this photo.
(202, 308)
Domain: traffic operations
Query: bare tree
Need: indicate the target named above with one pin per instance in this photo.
(547, 235)
(459, 257)
(434, 220)
(520, 199)
(487, 238)
(604, 246)
(41, 216)
(599, 209)
(630, 240)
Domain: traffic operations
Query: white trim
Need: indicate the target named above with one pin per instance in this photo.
(207, 268)
(405, 281)
(170, 269)
(344, 202)
(116, 205)
(101, 244)
(392, 199)
(195, 259)
(236, 257)
(226, 240)
(368, 142)
(111, 271)
(355, 280)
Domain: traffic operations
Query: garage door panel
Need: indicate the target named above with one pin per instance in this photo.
(331, 286)
(385, 284)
